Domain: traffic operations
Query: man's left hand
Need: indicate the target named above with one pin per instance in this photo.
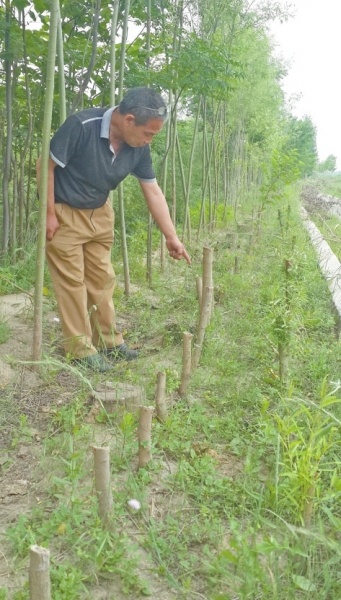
(176, 249)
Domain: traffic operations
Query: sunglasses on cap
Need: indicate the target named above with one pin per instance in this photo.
(159, 111)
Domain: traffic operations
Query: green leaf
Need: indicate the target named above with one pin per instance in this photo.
(304, 584)
(41, 5)
(20, 4)
(329, 400)
(227, 554)
(322, 432)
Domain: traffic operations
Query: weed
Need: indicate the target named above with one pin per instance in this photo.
(4, 330)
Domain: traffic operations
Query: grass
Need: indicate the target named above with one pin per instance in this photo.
(330, 184)
(4, 330)
(237, 465)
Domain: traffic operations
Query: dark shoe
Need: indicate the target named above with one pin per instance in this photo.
(121, 352)
(96, 362)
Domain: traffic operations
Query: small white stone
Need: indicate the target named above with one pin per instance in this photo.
(56, 320)
(134, 504)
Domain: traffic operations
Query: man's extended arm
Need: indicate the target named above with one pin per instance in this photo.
(159, 210)
(52, 223)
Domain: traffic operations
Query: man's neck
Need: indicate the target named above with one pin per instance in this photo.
(115, 132)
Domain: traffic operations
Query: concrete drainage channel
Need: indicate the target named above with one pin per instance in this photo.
(329, 263)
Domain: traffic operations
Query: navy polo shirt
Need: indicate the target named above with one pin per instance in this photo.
(87, 167)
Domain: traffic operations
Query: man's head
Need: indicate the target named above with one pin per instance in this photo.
(144, 104)
(139, 117)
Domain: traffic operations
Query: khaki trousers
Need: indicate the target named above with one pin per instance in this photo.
(79, 260)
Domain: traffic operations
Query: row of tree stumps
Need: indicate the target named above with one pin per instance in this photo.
(39, 576)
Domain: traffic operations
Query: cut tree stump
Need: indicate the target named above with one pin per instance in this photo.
(103, 481)
(39, 574)
(160, 398)
(186, 362)
(144, 435)
(120, 397)
(198, 282)
(203, 322)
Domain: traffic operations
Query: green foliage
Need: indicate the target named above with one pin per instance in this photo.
(281, 172)
(307, 461)
(330, 185)
(327, 165)
(4, 330)
(301, 137)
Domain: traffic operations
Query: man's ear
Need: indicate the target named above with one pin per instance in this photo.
(129, 119)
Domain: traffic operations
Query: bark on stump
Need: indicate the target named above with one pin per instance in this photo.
(160, 399)
(103, 480)
(198, 282)
(203, 322)
(39, 574)
(186, 362)
(144, 435)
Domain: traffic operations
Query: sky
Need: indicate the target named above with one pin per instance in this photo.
(311, 42)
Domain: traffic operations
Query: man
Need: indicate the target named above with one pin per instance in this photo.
(90, 154)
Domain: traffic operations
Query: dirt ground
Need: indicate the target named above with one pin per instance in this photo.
(27, 397)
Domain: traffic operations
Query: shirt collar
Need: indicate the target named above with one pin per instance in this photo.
(106, 122)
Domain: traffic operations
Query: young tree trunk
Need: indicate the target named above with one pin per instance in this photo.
(174, 190)
(120, 189)
(15, 186)
(29, 176)
(113, 53)
(186, 362)
(225, 165)
(113, 28)
(164, 181)
(149, 274)
(103, 481)
(79, 98)
(39, 278)
(187, 220)
(27, 145)
(39, 574)
(9, 135)
(206, 170)
(177, 41)
(61, 74)
(187, 224)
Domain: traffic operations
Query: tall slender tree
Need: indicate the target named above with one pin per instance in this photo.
(39, 279)
(9, 132)
(120, 189)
